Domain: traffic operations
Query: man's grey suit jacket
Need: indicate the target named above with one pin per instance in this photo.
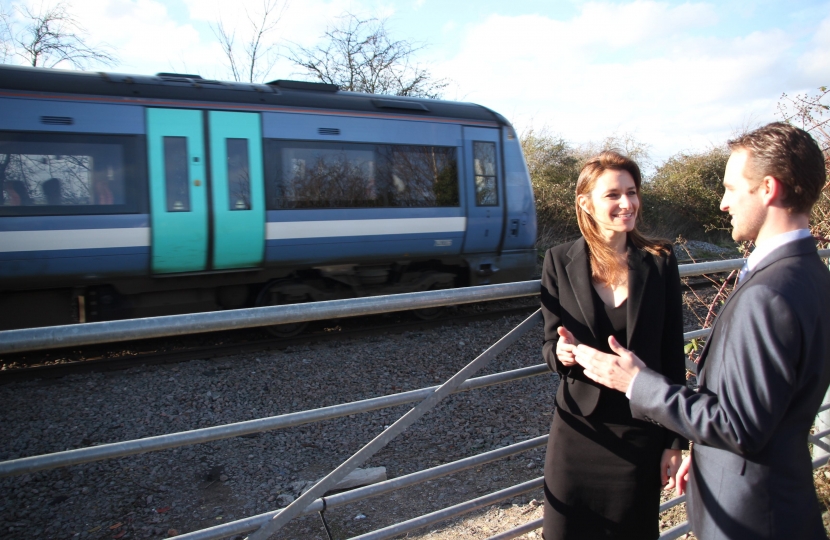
(762, 374)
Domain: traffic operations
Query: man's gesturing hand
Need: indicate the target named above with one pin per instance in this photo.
(611, 370)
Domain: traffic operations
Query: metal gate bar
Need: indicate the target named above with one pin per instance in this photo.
(215, 433)
(451, 511)
(518, 531)
(414, 414)
(340, 499)
(71, 335)
(52, 337)
(670, 534)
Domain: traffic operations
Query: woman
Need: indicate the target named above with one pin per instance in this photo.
(604, 469)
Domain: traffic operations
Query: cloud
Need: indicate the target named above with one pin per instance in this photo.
(816, 61)
(645, 67)
(144, 35)
(149, 36)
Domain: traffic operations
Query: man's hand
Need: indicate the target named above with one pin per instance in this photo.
(611, 370)
(669, 465)
(565, 347)
(682, 478)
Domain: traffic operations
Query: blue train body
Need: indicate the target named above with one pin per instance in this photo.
(130, 196)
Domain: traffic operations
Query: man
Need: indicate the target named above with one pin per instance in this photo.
(766, 365)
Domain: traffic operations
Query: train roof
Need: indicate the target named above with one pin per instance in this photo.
(189, 87)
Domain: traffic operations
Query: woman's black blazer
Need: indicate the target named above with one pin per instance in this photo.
(654, 320)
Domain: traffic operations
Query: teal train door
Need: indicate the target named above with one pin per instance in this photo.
(237, 192)
(178, 191)
(205, 217)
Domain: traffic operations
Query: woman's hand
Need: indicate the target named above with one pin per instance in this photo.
(669, 465)
(565, 347)
(682, 477)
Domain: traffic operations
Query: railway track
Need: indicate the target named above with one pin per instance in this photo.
(102, 358)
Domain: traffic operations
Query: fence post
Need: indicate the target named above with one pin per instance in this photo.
(822, 420)
(822, 424)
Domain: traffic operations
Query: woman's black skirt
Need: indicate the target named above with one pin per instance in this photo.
(602, 479)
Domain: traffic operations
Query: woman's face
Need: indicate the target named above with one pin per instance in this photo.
(613, 202)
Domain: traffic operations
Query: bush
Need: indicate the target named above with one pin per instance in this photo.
(554, 168)
(683, 197)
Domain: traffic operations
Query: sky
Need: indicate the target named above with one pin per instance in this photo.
(675, 76)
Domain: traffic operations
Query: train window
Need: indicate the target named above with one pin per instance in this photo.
(422, 176)
(176, 178)
(43, 173)
(484, 165)
(343, 175)
(48, 174)
(239, 180)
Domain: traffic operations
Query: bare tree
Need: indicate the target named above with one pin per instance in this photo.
(359, 55)
(6, 48)
(812, 114)
(256, 58)
(48, 36)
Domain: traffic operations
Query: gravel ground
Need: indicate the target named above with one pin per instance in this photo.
(161, 494)
(158, 494)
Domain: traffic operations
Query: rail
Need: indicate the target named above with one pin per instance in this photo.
(264, 525)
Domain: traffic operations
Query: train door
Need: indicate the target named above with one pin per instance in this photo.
(485, 196)
(237, 190)
(205, 221)
(178, 191)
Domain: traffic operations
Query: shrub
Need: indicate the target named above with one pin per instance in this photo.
(683, 196)
(554, 168)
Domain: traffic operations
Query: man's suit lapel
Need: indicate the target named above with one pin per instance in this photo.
(579, 274)
(805, 246)
(638, 273)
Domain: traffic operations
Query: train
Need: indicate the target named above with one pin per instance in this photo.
(143, 195)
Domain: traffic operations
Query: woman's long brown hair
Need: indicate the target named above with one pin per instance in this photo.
(605, 266)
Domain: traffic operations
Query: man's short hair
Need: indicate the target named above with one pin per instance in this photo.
(790, 155)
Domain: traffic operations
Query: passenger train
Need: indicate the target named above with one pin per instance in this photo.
(134, 195)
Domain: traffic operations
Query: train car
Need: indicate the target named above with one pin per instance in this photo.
(134, 196)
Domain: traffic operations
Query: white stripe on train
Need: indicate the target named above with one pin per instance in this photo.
(363, 227)
(52, 240)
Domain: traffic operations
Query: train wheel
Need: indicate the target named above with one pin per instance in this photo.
(274, 294)
(427, 314)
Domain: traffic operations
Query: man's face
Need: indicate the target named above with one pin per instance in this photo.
(742, 198)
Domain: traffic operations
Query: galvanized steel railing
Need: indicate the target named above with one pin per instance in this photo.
(312, 500)
(196, 436)
(72, 335)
